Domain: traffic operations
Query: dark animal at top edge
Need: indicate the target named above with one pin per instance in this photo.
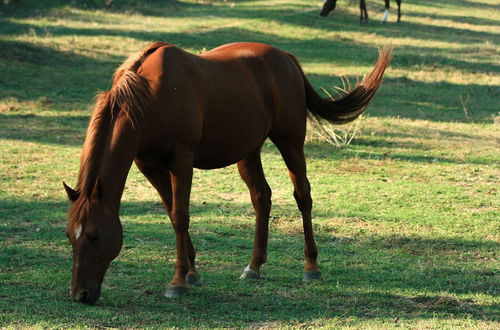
(329, 5)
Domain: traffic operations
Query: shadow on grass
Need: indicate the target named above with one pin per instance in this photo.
(78, 77)
(324, 150)
(365, 277)
(62, 79)
(460, 3)
(459, 19)
(439, 101)
(283, 15)
(64, 130)
(291, 14)
(401, 96)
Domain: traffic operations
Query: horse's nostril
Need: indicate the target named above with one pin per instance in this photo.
(82, 296)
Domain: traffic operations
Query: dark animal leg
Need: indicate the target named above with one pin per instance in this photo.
(251, 172)
(363, 18)
(160, 178)
(399, 10)
(361, 2)
(293, 154)
(328, 6)
(386, 12)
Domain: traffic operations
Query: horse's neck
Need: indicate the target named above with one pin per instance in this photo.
(116, 163)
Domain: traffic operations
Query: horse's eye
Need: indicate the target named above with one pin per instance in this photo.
(92, 237)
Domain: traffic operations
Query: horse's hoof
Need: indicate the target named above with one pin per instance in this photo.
(312, 275)
(249, 273)
(176, 291)
(193, 279)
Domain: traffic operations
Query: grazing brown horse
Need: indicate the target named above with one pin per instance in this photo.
(329, 5)
(171, 111)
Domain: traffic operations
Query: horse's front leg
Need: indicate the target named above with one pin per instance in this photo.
(181, 175)
(159, 175)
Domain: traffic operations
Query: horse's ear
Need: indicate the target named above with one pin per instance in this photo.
(72, 194)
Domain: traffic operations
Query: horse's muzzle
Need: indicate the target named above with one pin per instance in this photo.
(86, 296)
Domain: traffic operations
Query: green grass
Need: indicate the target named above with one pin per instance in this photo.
(406, 217)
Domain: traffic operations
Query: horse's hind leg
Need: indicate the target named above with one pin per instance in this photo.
(159, 176)
(252, 173)
(293, 155)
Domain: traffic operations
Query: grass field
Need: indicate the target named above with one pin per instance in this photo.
(406, 217)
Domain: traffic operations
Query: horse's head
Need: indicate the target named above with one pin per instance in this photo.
(95, 233)
(328, 6)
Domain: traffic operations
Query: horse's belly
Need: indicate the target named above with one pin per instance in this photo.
(230, 141)
(219, 159)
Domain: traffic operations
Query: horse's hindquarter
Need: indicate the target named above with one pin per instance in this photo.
(277, 78)
(222, 104)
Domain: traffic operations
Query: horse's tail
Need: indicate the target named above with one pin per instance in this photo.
(354, 103)
(129, 94)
